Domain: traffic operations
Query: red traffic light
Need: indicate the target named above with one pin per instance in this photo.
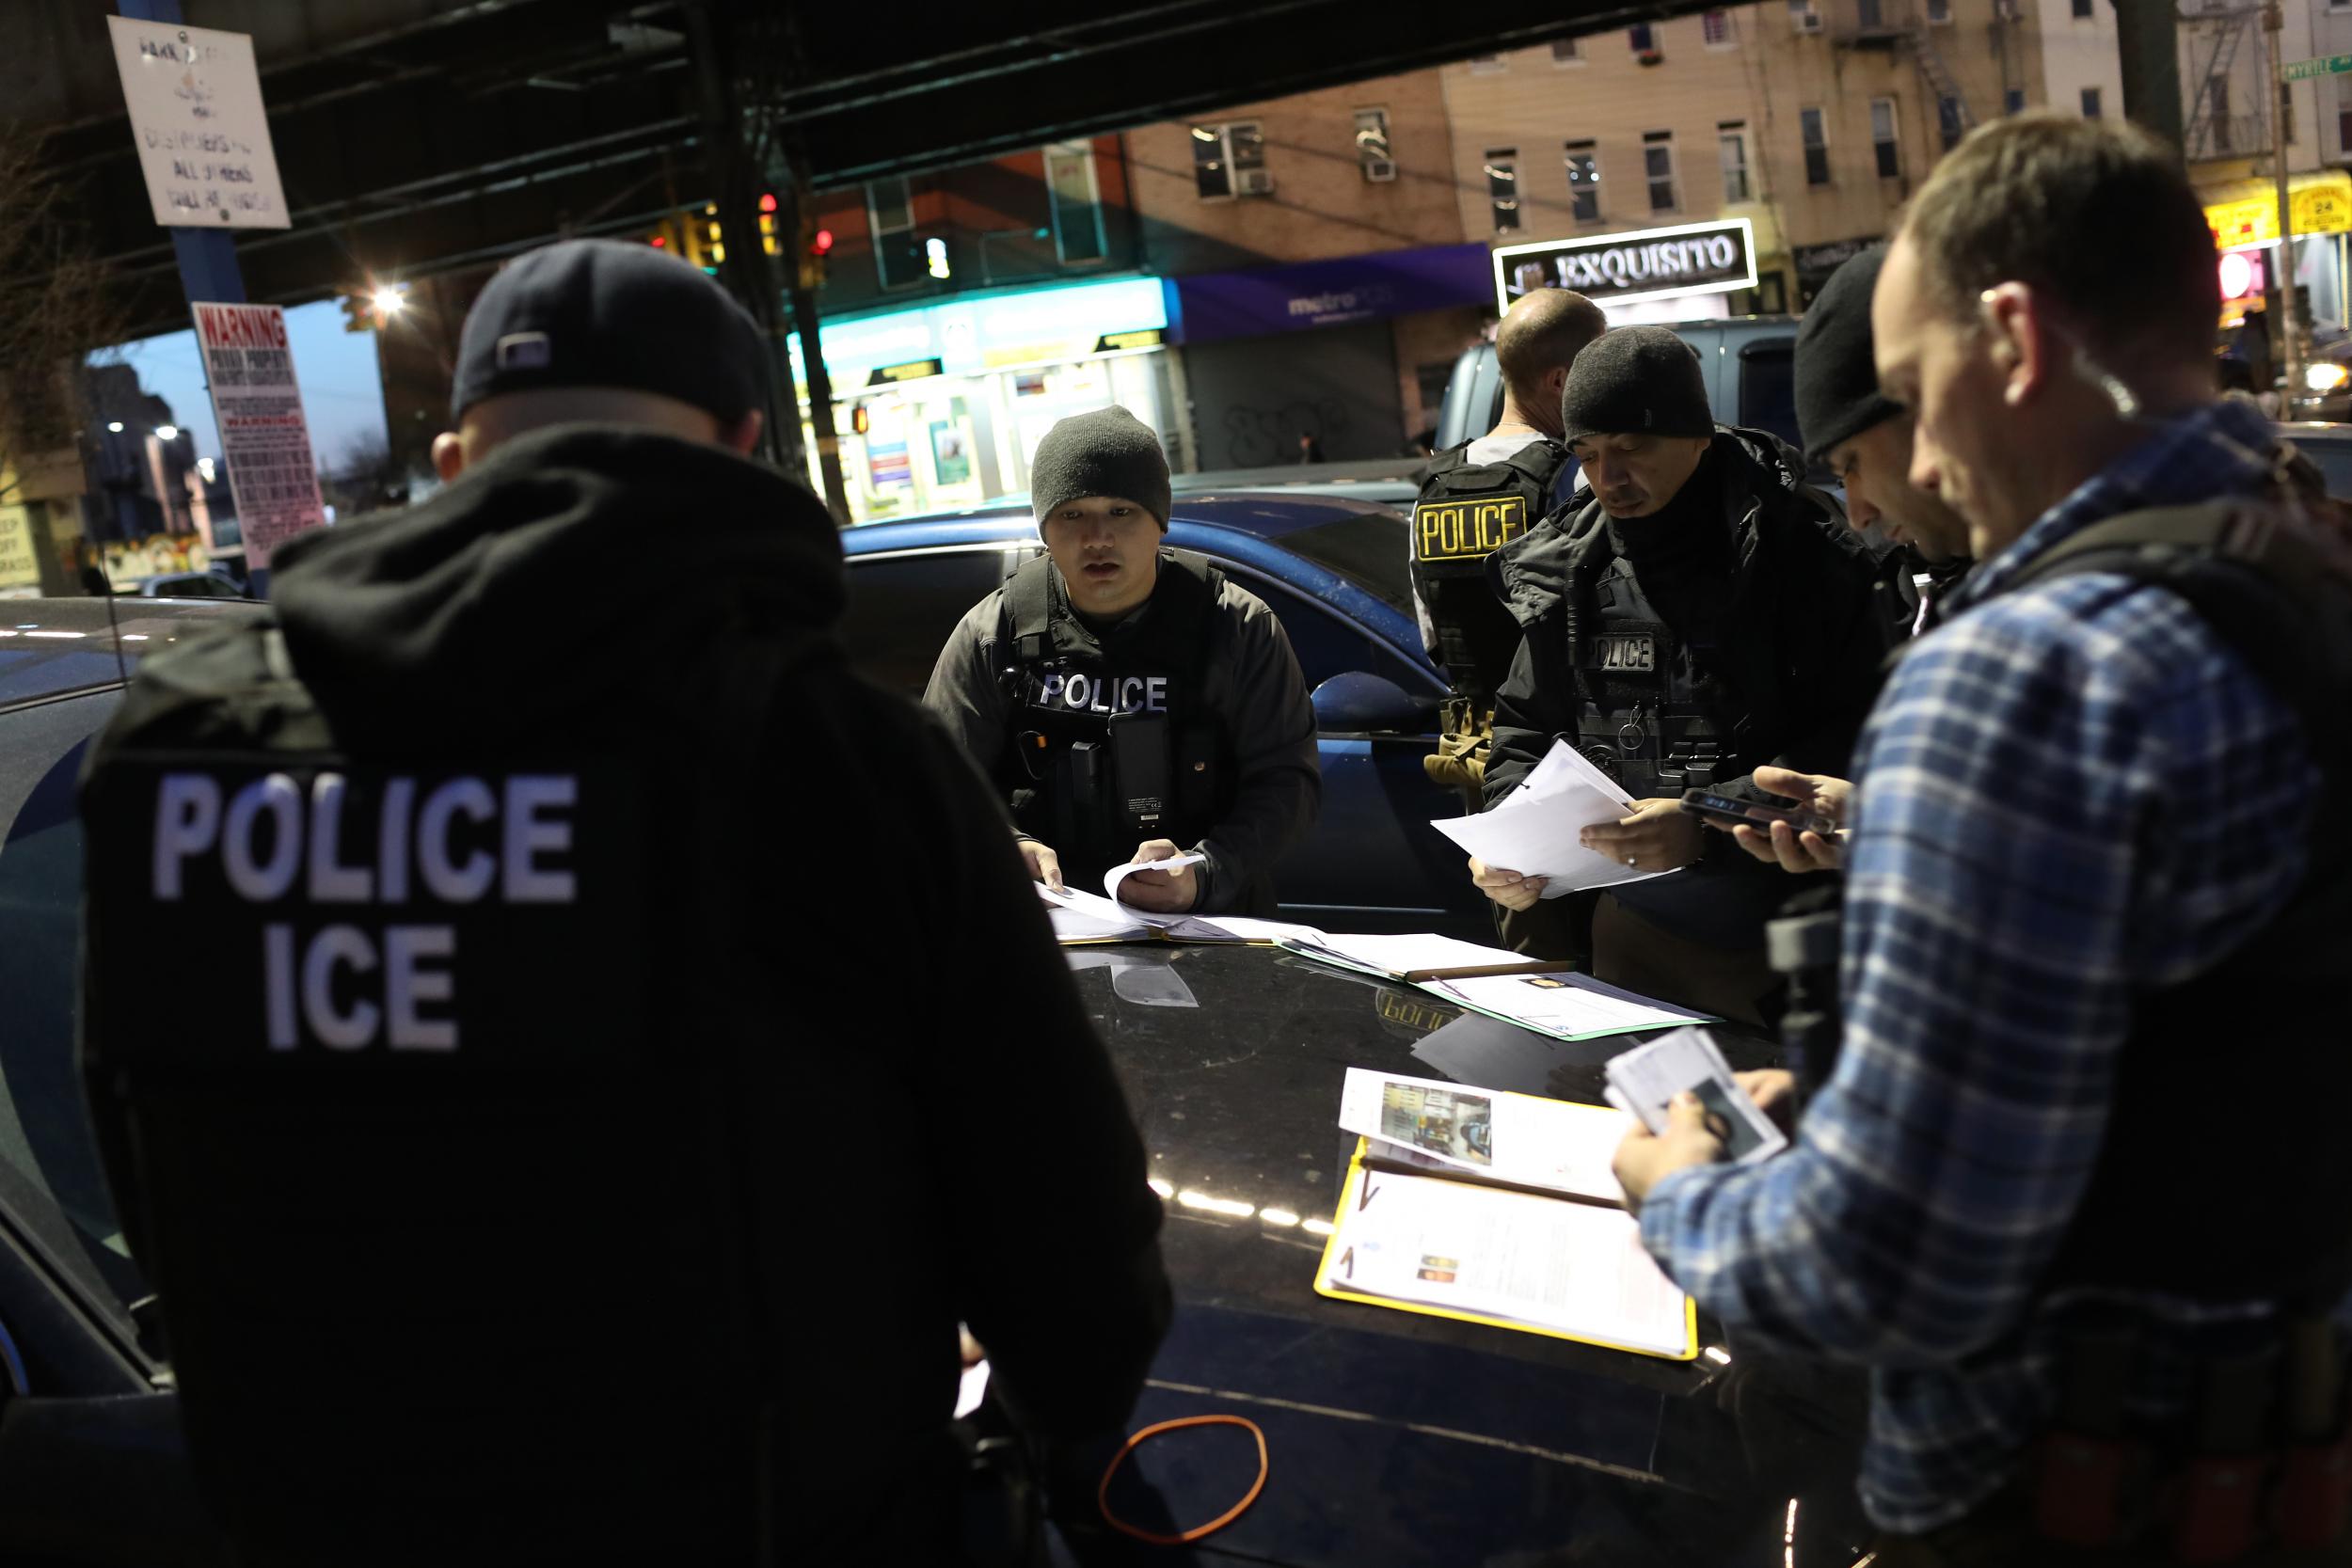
(768, 202)
(659, 242)
(822, 245)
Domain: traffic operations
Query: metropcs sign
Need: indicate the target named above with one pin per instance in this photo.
(1648, 263)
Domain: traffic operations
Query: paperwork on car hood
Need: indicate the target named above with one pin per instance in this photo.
(1535, 828)
(1088, 917)
(1496, 1209)
(1119, 874)
(1535, 994)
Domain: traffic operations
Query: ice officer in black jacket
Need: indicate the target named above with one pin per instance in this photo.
(1131, 702)
(556, 1174)
(1704, 612)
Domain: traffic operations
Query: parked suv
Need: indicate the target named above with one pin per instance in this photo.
(1749, 361)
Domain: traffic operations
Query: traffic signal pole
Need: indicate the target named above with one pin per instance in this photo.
(2282, 282)
(805, 322)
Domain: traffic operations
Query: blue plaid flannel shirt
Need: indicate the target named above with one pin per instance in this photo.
(2068, 798)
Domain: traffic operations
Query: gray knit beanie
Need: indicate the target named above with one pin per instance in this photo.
(1106, 453)
(1635, 381)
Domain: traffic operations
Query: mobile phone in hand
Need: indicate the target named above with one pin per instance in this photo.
(1730, 811)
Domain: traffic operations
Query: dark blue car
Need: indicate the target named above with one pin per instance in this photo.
(1334, 571)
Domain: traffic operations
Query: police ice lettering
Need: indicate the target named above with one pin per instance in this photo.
(1104, 694)
(269, 838)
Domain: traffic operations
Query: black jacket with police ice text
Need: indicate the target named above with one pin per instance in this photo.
(901, 1116)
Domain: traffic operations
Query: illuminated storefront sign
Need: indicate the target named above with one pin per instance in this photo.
(2247, 214)
(1648, 263)
(971, 335)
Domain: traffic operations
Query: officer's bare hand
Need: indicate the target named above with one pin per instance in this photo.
(1507, 888)
(1658, 836)
(1782, 844)
(1161, 892)
(1692, 1137)
(1774, 1092)
(1044, 866)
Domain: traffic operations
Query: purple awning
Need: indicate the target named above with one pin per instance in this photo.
(1326, 294)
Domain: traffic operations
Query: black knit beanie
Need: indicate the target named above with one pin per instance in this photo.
(1107, 453)
(1837, 382)
(1635, 381)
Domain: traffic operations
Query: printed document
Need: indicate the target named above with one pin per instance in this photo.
(1564, 1005)
(1119, 874)
(1507, 1137)
(1566, 1268)
(1645, 1079)
(1393, 957)
(1534, 830)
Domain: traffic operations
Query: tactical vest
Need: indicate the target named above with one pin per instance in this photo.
(1112, 745)
(1464, 513)
(2197, 1106)
(448, 1130)
(1651, 711)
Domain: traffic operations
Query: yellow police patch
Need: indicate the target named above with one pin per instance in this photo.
(1466, 529)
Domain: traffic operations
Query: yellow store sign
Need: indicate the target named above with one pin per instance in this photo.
(18, 566)
(2246, 211)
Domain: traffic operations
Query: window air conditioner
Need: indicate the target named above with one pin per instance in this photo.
(1255, 182)
(1379, 171)
(1810, 22)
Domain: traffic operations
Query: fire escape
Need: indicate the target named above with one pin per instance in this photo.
(1911, 27)
(2225, 121)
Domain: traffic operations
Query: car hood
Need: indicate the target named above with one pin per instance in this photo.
(540, 578)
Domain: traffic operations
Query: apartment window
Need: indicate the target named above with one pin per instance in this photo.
(2014, 101)
(1884, 140)
(1731, 144)
(1939, 13)
(1078, 202)
(2343, 128)
(1802, 17)
(1502, 186)
(1583, 182)
(1643, 39)
(1567, 51)
(2082, 8)
(1485, 65)
(1871, 14)
(1715, 29)
(1229, 160)
(1816, 146)
(2090, 103)
(1658, 164)
(1948, 120)
(1372, 144)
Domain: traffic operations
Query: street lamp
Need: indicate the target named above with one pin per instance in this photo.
(390, 298)
(167, 432)
(115, 426)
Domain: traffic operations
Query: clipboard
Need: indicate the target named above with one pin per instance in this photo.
(1325, 1265)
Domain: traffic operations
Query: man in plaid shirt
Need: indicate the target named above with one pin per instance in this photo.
(2073, 799)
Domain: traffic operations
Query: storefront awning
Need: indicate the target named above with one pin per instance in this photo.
(2244, 212)
(1330, 293)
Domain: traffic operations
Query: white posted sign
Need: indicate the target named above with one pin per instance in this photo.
(264, 434)
(196, 117)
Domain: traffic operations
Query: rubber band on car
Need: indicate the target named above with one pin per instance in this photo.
(1103, 1492)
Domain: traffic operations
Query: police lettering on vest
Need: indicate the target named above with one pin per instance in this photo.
(1079, 693)
(347, 887)
(1464, 513)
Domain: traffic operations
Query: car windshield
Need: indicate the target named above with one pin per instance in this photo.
(1365, 547)
(48, 1160)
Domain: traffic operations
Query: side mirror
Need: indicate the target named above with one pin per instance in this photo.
(1357, 703)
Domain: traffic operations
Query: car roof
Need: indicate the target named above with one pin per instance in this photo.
(52, 647)
(1263, 514)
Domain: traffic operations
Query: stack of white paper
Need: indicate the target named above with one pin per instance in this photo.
(1393, 957)
(1536, 829)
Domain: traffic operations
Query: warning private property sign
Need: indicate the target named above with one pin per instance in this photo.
(263, 436)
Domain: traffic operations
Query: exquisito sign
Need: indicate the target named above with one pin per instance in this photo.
(1648, 263)
(196, 119)
(264, 435)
